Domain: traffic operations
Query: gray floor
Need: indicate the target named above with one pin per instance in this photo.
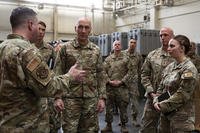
(115, 126)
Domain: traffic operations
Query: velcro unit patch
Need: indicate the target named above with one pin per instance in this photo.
(42, 74)
(32, 65)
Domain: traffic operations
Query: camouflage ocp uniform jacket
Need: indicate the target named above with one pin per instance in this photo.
(196, 61)
(136, 61)
(88, 58)
(118, 68)
(180, 80)
(24, 78)
(152, 69)
(48, 54)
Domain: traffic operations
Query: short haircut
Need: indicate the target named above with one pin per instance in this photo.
(183, 41)
(42, 23)
(193, 44)
(83, 19)
(20, 14)
(116, 41)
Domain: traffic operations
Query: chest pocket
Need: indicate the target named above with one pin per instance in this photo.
(134, 62)
(172, 80)
(118, 68)
(84, 57)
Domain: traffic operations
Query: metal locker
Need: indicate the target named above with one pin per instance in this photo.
(105, 44)
(94, 39)
(147, 40)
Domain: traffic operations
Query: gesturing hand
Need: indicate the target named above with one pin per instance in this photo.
(157, 106)
(77, 74)
(59, 105)
(100, 105)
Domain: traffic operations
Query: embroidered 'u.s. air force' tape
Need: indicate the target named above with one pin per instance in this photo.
(39, 70)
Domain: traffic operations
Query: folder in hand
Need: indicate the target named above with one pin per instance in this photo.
(164, 96)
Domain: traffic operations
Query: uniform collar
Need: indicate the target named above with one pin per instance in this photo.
(131, 53)
(77, 45)
(120, 54)
(164, 53)
(43, 45)
(180, 65)
(16, 36)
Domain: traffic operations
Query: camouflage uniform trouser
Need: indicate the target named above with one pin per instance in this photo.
(134, 95)
(80, 115)
(38, 124)
(176, 124)
(4, 129)
(43, 124)
(120, 95)
(54, 117)
(150, 118)
(134, 106)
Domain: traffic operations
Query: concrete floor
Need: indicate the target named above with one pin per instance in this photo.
(115, 126)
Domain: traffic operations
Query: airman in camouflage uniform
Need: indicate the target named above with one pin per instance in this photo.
(25, 78)
(84, 100)
(136, 60)
(179, 81)
(46, 50)
(194, 57)
(152, 68)
(117, 68)
(196, 61)
(49, 56)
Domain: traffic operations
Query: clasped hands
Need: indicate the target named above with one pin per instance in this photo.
(156, 104)
(115, 83)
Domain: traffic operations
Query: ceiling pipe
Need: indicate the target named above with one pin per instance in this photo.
(49, 4)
